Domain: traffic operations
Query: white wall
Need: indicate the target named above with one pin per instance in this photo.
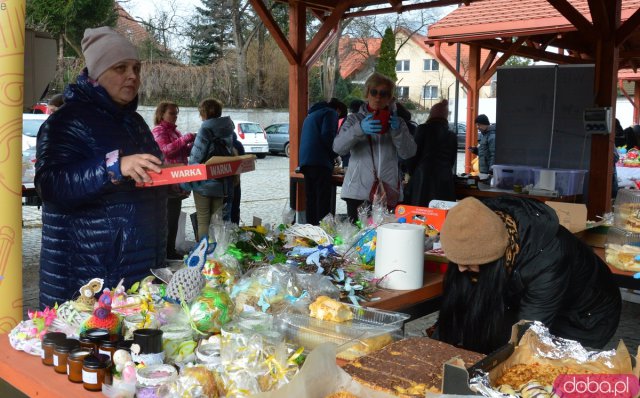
(624, 110)
(189, 119)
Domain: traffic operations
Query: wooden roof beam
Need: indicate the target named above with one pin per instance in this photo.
(486, 75)
(575, 17)
(529, 52)
(324, 36)
(403, 8)
(487, 62)
(396, 5)
(628, 27)
(600, 17)
(448, 63)
(265, 15)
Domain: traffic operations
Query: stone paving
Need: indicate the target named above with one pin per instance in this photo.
(265, 194)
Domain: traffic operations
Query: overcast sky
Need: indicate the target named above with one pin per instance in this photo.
(145, 9)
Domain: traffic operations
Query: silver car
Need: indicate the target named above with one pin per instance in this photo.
(278, 137)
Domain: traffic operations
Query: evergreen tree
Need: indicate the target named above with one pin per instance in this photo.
(209, 32)
(66, 20)
(386, 64)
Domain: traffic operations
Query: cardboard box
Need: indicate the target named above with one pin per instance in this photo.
(216, 167)
(573, 216)
(433, 218)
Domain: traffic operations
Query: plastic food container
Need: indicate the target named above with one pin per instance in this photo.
(567, 181)
(370, 328)
(506, 176)
(622, 249)
(626, 213)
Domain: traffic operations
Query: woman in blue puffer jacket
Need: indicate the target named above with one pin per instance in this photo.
(90, 154)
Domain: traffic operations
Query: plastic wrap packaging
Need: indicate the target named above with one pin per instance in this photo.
(194, 382)
(255, 357)
(539, 346)
(319, 377)
(210, 310)
(269, 288)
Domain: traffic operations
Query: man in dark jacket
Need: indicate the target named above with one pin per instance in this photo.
(95, 222)
(486, 144)
(316, 156)
(511, 260)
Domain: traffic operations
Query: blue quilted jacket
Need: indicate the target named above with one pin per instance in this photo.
(94, 223)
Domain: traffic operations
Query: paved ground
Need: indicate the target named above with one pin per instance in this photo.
(265, 194)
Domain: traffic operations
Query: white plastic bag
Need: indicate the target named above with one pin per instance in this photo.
(182, 243)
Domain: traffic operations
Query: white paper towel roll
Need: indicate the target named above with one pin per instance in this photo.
(400, 248)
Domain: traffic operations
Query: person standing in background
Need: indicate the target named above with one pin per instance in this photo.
(176, 148)
(376, 144)
(215, 137)
(431, 169)
(319, 129)
(354, 107)
(237, 186)
(487, 144)
(90, 153)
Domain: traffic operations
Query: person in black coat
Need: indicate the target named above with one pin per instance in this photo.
(431, 169)
(510, 259)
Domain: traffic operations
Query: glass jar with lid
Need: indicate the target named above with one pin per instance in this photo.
(61, 353)
(177, 342)
(74, 364)
(96, 371)
(49, 344)
(152, 377)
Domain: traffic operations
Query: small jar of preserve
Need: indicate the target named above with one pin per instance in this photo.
(152, 377)
(61, 353)
(108, 348)
(96, 371)
(49, 344)
(92, 338)
(74, 364)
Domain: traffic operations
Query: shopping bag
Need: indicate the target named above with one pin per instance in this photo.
(182, 243)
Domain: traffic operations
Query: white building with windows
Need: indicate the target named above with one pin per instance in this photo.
(421, 78)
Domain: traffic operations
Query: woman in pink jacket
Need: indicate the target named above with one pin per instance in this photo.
(175, 147)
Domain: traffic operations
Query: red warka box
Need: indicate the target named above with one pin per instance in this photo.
(216, 167)
(422, 215)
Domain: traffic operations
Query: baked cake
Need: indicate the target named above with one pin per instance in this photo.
(409, 367)
(328, 309)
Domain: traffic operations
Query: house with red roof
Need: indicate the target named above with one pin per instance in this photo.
(421, 78)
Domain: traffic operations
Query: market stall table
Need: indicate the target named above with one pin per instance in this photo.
(27, 374)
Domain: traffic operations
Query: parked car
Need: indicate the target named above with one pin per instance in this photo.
(30, 126)
(461, 132)
(278, 138)
(252, 137)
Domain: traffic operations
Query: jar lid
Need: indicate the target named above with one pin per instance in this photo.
(67, 345)
(154, 375)
(96, 361)
(79, 353)
(54, 336)
(109, 344)
(96, 335)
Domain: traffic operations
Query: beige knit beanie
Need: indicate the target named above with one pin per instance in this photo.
(473, 234)
(103, 47)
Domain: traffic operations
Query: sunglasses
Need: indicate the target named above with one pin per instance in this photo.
(383, 93)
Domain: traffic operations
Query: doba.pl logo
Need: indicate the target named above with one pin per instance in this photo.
(596, 386)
